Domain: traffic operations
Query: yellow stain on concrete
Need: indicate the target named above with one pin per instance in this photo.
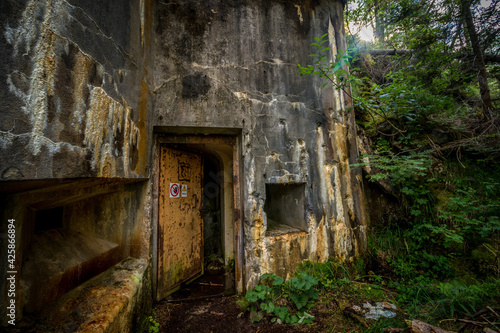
(141, 125)
(41, 86)
(258, 230)
(106, 121)
(299, 13)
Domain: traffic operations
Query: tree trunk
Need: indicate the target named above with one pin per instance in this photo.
(379, 23)
(479, 58)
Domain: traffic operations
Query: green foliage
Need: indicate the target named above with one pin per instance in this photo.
(284, 301)
(425, 25)
(334, 72)
(438, 42)
(330, 274)
(439, 259)
(433, 227)
(465, 299)
(408, 174)
(401, 110)
(403, 169)
(301, 290)
(154, 326)
(421, 296)
(383, 323)
(430, 299)
(472, 213)
(403, 104)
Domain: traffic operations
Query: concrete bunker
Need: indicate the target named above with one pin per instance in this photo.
(93, 91)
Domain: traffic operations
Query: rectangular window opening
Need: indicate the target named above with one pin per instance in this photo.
(284, 208)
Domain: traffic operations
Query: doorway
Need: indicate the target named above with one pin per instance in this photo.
(198, 221)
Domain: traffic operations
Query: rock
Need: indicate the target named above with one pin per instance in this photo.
(355, 313)
(377, 311)
(417, 326)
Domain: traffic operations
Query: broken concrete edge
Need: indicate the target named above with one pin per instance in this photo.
(114, 301)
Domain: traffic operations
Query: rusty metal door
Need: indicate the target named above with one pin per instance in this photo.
(180, 224)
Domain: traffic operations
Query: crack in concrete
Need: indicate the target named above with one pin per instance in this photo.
(163, 82)
(275, 62)
(117, 46)
(241, 95)
(10, 136)
(7, 135)
(196, 65)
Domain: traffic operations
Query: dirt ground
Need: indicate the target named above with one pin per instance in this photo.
(222, 314)
(219, 314)
(201, 307)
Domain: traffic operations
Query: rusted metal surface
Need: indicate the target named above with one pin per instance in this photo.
(155, 219)
(180, 224)
(235, 142)
(238, 222)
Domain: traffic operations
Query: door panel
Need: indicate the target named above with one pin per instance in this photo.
(180, 224)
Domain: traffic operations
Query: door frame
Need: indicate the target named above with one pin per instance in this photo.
(234, 141)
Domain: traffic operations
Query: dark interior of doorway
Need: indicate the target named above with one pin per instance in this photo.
(218, 278)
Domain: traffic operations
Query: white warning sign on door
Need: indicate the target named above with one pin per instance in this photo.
(184, 191)
(175, 190)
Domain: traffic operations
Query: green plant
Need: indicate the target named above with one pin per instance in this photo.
(430, 299)
(383, 323)
(243, 303)
(284, 301)
(229, 267)
(336, 73)
(154, 326)
(329, 274)
(473, 213)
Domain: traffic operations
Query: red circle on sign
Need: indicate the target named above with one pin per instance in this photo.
(174, 190)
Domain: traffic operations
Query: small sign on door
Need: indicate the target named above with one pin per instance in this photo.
(175, 190)
(184, 191)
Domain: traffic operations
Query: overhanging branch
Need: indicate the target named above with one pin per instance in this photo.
(386, 52)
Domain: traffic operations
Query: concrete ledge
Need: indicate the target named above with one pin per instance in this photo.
(105, 303)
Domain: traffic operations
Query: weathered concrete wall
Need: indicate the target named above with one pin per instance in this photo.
(74, 127)
(233, 64)
(74, 87)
